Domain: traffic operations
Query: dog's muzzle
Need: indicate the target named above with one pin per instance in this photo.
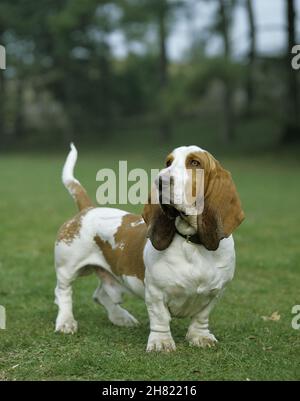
(165, 184)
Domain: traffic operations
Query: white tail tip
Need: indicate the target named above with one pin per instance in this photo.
(68, 170)
(72, 146)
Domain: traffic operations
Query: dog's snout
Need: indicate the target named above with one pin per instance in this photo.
(165, 185)
(164, 180)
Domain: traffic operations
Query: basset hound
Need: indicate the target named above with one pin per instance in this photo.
(178, 262)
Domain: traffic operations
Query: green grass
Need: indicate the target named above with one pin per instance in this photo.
(33, 204)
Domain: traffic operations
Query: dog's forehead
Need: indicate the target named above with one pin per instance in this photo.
(183, 151)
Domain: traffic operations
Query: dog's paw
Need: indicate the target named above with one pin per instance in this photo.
(207, 340)
(121, 317)
(66, 326)
(160, 342)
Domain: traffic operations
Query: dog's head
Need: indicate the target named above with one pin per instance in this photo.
(196, 195)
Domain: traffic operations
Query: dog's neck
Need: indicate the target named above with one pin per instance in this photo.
(186, 225)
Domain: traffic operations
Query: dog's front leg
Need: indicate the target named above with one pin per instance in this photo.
(160, 338)
(198, 333)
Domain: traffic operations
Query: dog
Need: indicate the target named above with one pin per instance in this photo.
(178, 262)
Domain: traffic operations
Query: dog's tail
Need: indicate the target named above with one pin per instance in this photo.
(74, 187)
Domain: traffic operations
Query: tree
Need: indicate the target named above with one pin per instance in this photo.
(59, 48)
(251, 56)
(157, 16)
(21, 24)
(80, 74)
(165, 125)
(225, 16)
(292, 126)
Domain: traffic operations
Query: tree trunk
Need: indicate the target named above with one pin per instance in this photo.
(291, 131)
(164, 123)
(251, 57)
(229, 118)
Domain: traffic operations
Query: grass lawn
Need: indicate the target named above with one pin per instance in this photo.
(33, 204)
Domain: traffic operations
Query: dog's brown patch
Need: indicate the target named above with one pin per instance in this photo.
(80, 195)
(127, 257)
(71, 228)
(222, 212)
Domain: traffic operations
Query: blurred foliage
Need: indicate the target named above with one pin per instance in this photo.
(64, 82)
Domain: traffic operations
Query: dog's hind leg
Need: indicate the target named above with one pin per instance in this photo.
(65, 322)
(110, 294)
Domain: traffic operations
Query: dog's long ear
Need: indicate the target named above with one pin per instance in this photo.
(160, 222)
(222, 212)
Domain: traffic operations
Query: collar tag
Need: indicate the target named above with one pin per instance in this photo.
(190, 239)
(187, 238)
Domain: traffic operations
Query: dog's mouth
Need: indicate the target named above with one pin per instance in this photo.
(169, 209)
(167, 203)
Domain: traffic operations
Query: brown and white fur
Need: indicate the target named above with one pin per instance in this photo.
(145, 255)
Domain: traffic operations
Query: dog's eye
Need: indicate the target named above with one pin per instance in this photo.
(195, 163)
(168, 163)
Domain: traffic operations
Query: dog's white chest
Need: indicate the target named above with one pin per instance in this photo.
(189, 276)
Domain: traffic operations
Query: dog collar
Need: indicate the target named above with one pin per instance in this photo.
(193, 239)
